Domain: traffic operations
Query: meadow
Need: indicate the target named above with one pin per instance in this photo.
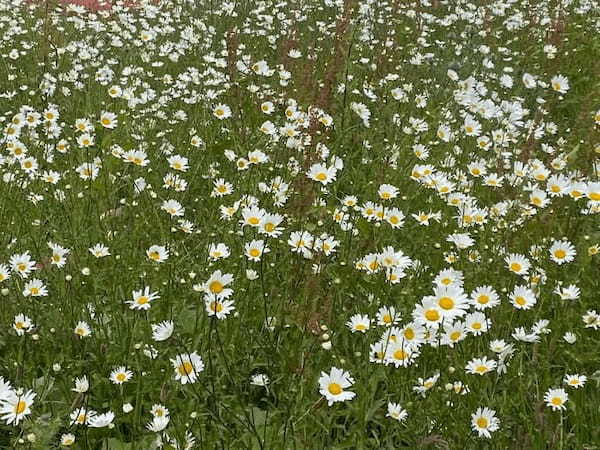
(300, 224)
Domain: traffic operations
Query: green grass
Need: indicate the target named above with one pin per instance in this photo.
(355, 52)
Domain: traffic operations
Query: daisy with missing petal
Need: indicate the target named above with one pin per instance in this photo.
(485, 422)
(120, 375)
(359, 323)
(162, 331)
(222, 112)
(395, 411)
(142, 299)
(173, 208)
(16, 406)
(562, 252)
(81, 416)
(556, 399)
(332, 386)
(157, 253)
(81, 385)
(321, 173)
(59, 254)
(218, 251)
(480, 366)
(187, 367)
(387, 316)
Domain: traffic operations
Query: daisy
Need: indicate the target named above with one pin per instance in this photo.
(173, 208)
(523, 298)
(22, 324)
(387, 316)
(157, 253)
(67, 439)
(562, 252)
(159, 410)
(35, 288)
(178, 162)
(16, 406)
(560, 84)
(428, 313)
(59, 254)
(4, 272)
(399, 354)
(162, 331)
(158, 424)
(142, 298)
(81, 385)
(218, 251)
(480, 366)
(517, 264)
(395, 411)
(217, 307)
(332, 386)
(101, 420)
(215, 286)
(99, 250)
(187, 367)
(359, 323)
(484, 297)
(575, 381)
(387, 192)
(556, 399)
(120, 375)
(321, 173)
(82, 416)
(451, 300)
(108, 120)
(222, 112)
(221, 188)
(82, 329)
(255, 249)
(22, 264)
(485, 422)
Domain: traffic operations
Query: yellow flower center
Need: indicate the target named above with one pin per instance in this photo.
(253, 220)
(483, 299)
(482, 422)
(216, 307)
(476, 326)
(254, 252)
(446, 303)
(216, 287)
(321, 176)
(400, 354)
(557, 401)
(455, 336)
(387, 318)
(185, 368)
(143, 300)
(20, 407)
(334, 389)
(520, 301)
(121, 377)
(360, 327)
(516, 267)
(409, 334)
(560, 253)
(432, 315)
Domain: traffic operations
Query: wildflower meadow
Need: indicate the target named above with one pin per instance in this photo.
(299, 224)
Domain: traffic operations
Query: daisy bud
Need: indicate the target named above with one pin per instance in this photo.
(326, 345)
(127, 408)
